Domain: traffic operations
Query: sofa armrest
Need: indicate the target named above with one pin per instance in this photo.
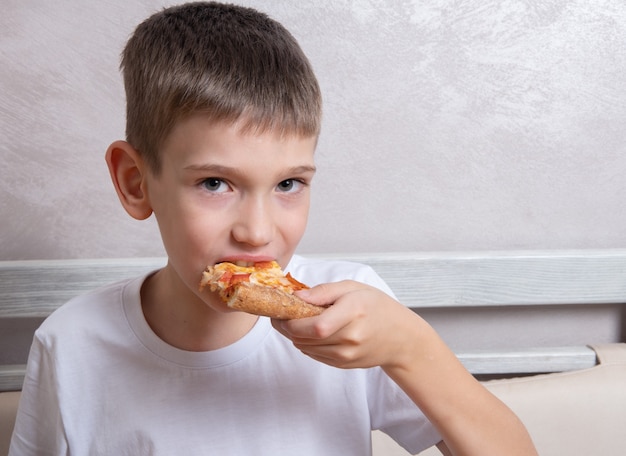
(578, 413)
(575, 413)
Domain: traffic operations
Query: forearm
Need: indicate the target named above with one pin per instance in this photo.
(470, 419)
(365, 327)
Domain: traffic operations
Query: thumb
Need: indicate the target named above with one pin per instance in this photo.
(327, 293)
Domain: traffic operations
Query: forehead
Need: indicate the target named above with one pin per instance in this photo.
(198, 138)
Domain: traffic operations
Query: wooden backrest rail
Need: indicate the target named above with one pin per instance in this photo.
(420, 280)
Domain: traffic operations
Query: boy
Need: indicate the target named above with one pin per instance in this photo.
(223, 115)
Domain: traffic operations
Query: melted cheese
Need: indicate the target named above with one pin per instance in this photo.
(268, 274)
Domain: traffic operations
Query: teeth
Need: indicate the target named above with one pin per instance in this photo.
(244, 264)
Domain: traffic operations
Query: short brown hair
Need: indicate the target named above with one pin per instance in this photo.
(228, 62)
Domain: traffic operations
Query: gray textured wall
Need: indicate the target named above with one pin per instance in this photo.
(465, 125)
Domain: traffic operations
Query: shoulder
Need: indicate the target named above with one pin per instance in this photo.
(314, 271)
(89, 311)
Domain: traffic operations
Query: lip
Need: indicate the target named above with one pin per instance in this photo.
(245, 258)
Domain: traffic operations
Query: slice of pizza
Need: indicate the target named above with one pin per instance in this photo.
(260, 289)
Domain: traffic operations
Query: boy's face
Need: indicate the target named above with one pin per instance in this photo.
(226, 196)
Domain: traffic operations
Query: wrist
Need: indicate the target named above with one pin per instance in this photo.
(417, 345)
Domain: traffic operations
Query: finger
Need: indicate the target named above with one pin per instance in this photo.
(337, 355)
(303, 330)
(327, 293)
(318, 328)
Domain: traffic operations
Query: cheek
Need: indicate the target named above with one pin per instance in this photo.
(186, 236)
(293, 225)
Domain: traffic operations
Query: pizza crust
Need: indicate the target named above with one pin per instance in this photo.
(270, 302)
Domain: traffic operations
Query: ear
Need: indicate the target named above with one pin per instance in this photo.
(128, 173)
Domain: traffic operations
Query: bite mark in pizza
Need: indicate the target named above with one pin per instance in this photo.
(260, 289)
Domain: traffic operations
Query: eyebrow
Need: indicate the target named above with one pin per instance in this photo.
(221, 169)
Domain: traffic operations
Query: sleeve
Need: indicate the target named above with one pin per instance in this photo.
(393, 412)
(38, 426)
(366, 274)
(313, 271)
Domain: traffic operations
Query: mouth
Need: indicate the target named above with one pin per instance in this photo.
(243, 264)
(246, 261)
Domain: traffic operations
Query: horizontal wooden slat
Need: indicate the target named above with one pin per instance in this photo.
(556, 359)
(12, 377)
(36, 288)
(478, 363)
(503, 278)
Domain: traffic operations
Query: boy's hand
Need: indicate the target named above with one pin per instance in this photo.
(363, 328)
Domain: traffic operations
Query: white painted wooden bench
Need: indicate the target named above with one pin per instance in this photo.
(527, 312)
(504, 287)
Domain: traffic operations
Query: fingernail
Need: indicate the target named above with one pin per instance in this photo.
(303, 293)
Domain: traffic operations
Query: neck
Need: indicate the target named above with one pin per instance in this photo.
(183, 320)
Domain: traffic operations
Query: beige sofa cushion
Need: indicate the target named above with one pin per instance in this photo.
(580, 413)
(8, 409)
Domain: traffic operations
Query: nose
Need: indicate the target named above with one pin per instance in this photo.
(255, 224)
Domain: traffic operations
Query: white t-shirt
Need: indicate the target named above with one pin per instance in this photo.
(100, 382)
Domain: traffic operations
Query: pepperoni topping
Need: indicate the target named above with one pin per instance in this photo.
(239, 277)
(295, 284)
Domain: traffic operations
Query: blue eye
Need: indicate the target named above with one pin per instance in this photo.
(215, 185)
